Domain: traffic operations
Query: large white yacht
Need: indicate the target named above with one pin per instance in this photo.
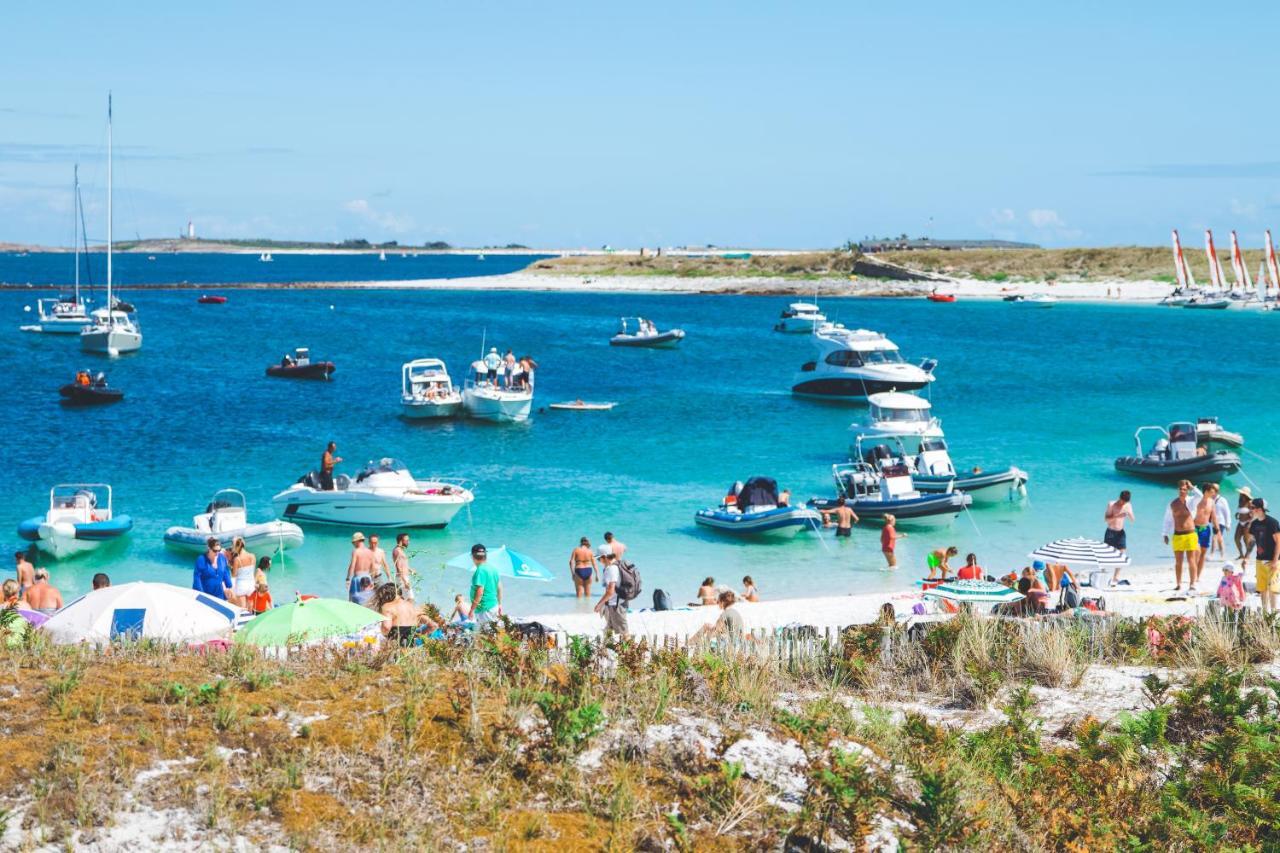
(853, 364)
(382, 494)
(894, 414)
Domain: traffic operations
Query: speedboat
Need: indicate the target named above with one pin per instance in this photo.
(59, 316)
(86, 391)
(752, 510)
(1178, 298)
(1034, 300)
(382, 494)
(426, 391)
(645, 334)
(1210, 434)
(79, 519)
(265, 258)
(853, 364)
(872, 493)
(300, 366)
(486, 400)
(933, 472)
(941, 297)
(211, 299)
(800, 317)
(1176, 455)
(226, 517)
(894, 414)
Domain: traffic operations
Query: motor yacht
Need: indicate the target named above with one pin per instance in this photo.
(1211, 434)
(872, 493)
(59, 316)
(639, 332)
(800, 317)
(226, 517)
(1176, 455)
(382, 494)
(894, 414)
(79, 519)
(426, 391)
(853, 364)
(751, 509)
(933, 472)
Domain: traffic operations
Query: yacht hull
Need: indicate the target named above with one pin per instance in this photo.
(304, 505)
(850, 387)
(499, 407)
(430, 409)
(989, 487)
(1211, 468)
(62, 539)
(110, 342)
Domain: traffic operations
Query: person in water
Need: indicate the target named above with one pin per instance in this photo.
(937, 562)
(404, 572)
(889, 537)
(327, 461)
(845, 518)
(1180, 531)
(360, 564)
(582, 568)
(243, 566)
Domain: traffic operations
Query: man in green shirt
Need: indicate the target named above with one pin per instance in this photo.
(486, 588)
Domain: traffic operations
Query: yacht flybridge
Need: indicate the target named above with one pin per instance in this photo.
(853, 364)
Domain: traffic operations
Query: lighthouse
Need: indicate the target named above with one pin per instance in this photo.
(191, 230)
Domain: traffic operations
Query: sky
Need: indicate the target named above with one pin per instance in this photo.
(657, 124)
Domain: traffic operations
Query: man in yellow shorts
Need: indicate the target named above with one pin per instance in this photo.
(1266, 536)
(1179, 524)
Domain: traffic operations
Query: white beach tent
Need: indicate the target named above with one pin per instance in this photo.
(132, 611)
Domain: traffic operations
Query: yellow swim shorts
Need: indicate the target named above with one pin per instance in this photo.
(1186, 542)
(1268, 580)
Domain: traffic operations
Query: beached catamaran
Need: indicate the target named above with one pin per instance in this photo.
(1272, 293)
(1186, 282)
(1243, 293)
(1216, 296)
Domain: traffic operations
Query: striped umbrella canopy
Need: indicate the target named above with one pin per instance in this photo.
(1080, 551)
(974, 592)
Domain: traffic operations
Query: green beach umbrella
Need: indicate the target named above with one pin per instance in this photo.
(306, 621)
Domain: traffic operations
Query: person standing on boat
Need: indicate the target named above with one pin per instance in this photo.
(583, 568)
(327, 461)
(211, 576)
(360, 565)
(1180, 531)
(527, 366)
(509, 369)
(1265, 531)
(404, 572)
(492, 362)
(1117, 511)
(486, 588)
(845, 518)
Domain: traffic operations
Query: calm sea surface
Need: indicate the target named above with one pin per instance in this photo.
(1057, 392)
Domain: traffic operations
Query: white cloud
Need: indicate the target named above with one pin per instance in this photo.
(1042, 218)
(1248, 209)
(1004, 216)
(393, 222)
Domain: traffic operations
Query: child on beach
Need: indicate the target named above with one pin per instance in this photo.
(937, 562)
(1230, 589)
(970, 571)
(260, 600)
(461, 614)
(889, 537)
(749, 591)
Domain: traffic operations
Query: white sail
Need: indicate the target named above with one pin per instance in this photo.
(1242, 281)
(1273, 280)
(1178, 264)
(1216, 278)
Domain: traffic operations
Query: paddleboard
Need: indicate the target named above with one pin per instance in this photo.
(582, 407)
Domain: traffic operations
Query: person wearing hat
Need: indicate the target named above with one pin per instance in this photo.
(609, 606)
(1244, 517)
(486, 588)
(492, 361)
(361, 565)
(1265, 531)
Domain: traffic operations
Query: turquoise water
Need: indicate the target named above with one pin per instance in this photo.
(1056, 392)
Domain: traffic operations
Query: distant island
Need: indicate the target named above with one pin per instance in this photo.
(157, 245)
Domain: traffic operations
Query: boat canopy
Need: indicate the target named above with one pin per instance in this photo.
(226, 499)
(80, 496)
(899, 400)
(804, 308)
(758, 491)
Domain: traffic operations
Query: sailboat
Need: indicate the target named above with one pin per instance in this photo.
(59, 315)
(1186, 288)
(1243, 294)
(1271, 296)
(1216, 297)
(114, 330)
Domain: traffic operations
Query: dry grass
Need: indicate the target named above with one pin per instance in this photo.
(808, 265)
(1129, 263)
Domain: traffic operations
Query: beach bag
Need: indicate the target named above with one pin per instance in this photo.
(1070, 597)
(661, 601)
(1098, 579)
(628, 581)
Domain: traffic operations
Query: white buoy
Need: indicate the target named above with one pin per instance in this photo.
(113, 352)
(330, 307)
(26, 308)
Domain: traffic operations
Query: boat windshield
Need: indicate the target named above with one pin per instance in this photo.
(928, 444)
(385, 465)
(903, 416)
(882, 356)
(1182, 432)
(844, 358)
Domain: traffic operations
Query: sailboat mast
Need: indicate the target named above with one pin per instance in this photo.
(75, 226)
(108, 203)
(1177, 261)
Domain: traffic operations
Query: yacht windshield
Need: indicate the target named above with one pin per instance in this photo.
(380, 466)
(932, 444)
(882, 356)
(844, 358)
(904, 415)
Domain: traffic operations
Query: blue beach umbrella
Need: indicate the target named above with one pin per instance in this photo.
(510, 564)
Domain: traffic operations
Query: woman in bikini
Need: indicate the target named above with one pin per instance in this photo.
(582, 566)
(243, 573)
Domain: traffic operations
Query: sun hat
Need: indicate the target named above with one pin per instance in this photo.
(1244, 490)
(357, 536)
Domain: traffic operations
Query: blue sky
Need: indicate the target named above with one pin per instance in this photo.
(555, 124)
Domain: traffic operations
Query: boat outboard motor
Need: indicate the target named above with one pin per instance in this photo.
(310, 479)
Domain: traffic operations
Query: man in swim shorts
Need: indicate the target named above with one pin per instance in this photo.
(1117, 512)
(1180, 531)
(1266, 535)
(845, 518)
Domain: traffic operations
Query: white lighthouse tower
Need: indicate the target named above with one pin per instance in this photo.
(191, 230)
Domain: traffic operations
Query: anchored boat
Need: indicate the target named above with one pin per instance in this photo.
(893, 414)
(872, 493)
(645, 334)
(1175, 455)
(300, 366)
(79, 519)
(752, 510)
(933, 472)
(86, 391)
(382, 494)
(426, 391)
(226, 517)
(800, 317)
(853, 364)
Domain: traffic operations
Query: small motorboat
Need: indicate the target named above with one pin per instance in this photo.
(800, 317)
(300, 366)
(60, 316)
(855, 363)
(1207, 303)
(426, 391)
(941, 297)
(933, 473)
(87, 391)
(226, 517)
(872, 493)
(487, 400)
(382, 494)
(79, 519)
(751, 509)
(211, 299)
(645, 334)
(1177, 455)
(582, 406)
(894, 414)
(1210, 434)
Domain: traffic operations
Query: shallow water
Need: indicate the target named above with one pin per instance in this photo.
(1057, 392)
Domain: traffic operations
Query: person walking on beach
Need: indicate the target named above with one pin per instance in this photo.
(380, 571)
(889, 537)
(1244, 517)
(1265, 531)
(845, 518)
(211, 576)
(937, 561)
(1117, 511)
(1220, 521)
(486, 588)
(492, 361)
(360, 565)
(617, 545)
(610, 606)
(26, 571)
(327, 461)
(42, 596)
(582, 568)
(404, 573)
(1179, 523)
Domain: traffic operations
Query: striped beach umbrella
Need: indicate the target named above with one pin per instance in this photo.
(1080, 551)
(974, 592)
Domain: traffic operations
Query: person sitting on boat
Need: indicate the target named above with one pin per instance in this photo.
(82, 378)
(287, 361)
(970, 571)
(100, 381)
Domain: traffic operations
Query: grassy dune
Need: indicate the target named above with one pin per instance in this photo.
(809, 265)
(1127, 263)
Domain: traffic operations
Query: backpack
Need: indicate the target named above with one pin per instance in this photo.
(661, 601)
(628, 581)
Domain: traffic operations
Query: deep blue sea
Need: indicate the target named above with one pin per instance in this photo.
(1058, 392)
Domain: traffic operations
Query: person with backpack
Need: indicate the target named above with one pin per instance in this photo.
(612, 606)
